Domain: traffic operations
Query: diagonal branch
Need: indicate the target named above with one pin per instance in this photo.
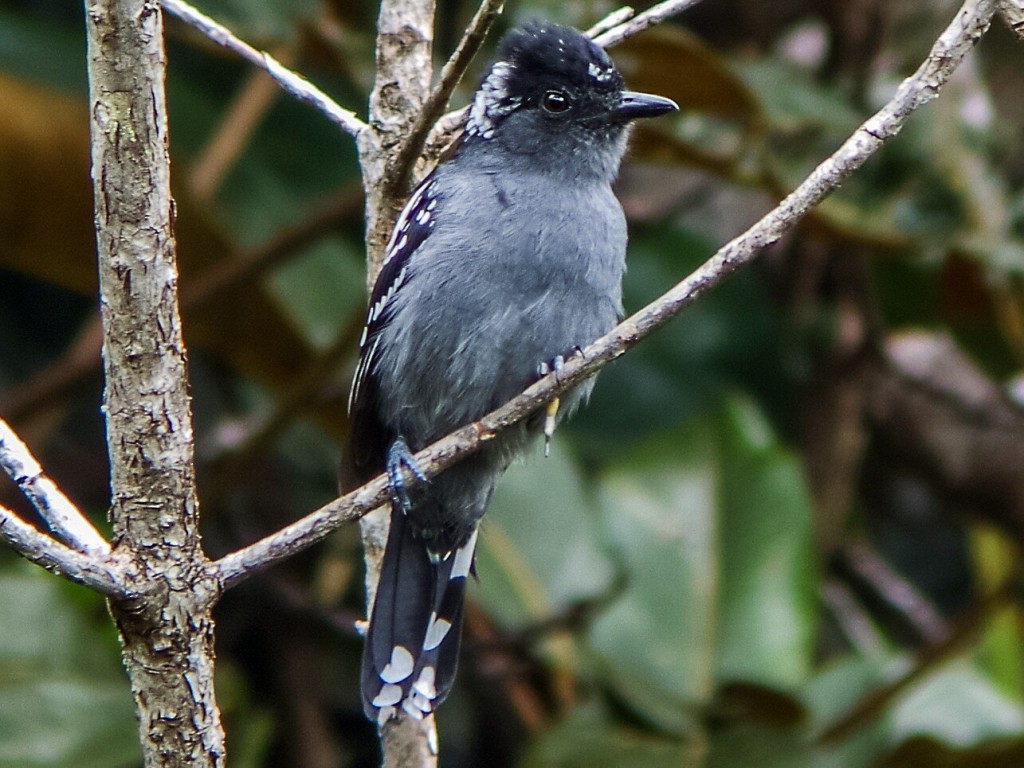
(102, 574)
(1012, 12)
(432, 110)
(63, 517)
(293, 83)
(652, 16)
(612, 20)
(924, 85)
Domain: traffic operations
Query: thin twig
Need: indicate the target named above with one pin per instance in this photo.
(901, 595)
(949, 50)
(243, 115)
(870, 707)
(293, 83)
(653, 15)
(102, 574)
(612, 20)
(451, 75)
(63, 517)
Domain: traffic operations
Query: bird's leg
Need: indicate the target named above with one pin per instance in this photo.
(400, 456)
(551, 412)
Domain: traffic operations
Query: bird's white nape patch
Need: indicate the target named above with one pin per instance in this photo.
(400, 666)
(464, 558)
(389, 695)
(436, 632)
(492, 101)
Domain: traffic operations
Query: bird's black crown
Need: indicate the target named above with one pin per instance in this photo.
(546, 53)
(533, 60)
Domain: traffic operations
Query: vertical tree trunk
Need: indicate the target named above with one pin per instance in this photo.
(166, 627)
(404, 69)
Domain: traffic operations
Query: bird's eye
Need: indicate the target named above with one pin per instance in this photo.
(556, 102)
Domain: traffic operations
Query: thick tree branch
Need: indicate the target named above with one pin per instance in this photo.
(63, 517)
(1012, 12)
(102, 574)
(405, 39)
(291, 82)
(166, 628)
(949, 50)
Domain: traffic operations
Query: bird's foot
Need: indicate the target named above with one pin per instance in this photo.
(551, 411)
(399, 457)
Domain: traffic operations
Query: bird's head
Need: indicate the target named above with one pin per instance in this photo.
(555, 95)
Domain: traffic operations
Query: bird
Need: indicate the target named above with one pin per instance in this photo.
(507, 258)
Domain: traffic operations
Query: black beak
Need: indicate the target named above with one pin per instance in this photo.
(633, 105)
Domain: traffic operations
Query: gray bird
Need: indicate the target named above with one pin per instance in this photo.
(507, 258)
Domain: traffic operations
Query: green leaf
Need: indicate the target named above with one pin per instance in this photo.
(319, 290)
(587, 740)
(660, 508)
(64, 700)
(767, 600)
(539, 548)
(956, 705)
(713, 528)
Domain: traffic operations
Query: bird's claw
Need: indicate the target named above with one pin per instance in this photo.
(399, 457)
(551, 412)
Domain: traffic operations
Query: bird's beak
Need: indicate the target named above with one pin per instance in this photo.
(633, 105)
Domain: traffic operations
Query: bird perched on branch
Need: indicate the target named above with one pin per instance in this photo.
(507, 258)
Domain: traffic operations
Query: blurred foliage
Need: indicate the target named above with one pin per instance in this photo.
(676, 585)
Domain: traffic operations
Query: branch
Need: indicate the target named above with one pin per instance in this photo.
(949, 50)
(102, 574)
(963, 636)
(613, 19)
(451, 74)
(1012, 12)
(63, 517)
(652, 16)
(166, 630)
(291, 82)
(403, 52)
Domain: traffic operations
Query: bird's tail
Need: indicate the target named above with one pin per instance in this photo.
(412, 645)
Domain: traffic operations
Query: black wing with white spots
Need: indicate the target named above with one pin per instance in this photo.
(413, 226)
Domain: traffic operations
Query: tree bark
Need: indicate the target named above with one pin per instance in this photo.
(404, 68)
(166, 627)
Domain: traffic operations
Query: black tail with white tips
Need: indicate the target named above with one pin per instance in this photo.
(412, 645)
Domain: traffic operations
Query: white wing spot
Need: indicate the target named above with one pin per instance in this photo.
(425, 683)
(420, 701)
(385, 714)
(400, 666)
(412, 710)
(464, 558)
(436, 632)
(389, 695)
